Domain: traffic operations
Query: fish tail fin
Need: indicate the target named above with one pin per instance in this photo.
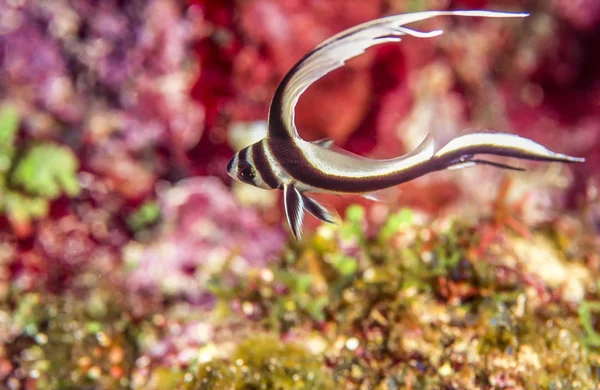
(460, 152)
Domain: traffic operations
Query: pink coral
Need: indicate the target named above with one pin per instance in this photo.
(584, 14)
(204, 228)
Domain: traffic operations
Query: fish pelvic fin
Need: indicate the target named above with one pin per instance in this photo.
(294, 209)
(318, 210)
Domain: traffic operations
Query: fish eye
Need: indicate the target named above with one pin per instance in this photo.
(246, 173)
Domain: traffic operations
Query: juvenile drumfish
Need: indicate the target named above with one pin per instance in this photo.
(284, 161)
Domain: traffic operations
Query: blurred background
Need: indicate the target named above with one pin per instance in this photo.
(119, 228)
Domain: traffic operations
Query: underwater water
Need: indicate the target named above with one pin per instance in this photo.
(129, 259)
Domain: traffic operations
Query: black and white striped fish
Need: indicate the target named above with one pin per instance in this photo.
(285, 161)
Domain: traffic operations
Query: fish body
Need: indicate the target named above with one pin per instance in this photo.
(285, 161)
(314, 168)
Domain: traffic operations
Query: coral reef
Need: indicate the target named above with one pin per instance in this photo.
(129, 260)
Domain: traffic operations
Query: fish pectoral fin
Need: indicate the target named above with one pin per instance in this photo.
(294, 209)
(324, 142)
(324, 213)
(387, 195)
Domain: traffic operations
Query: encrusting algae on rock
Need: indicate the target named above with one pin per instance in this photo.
(346, 309)
(410, 304)
(49, 342)
(258, 362)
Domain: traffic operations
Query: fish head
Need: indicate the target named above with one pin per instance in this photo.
(241, 168)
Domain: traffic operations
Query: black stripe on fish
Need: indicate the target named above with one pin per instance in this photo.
(243, 155)
(263, 166)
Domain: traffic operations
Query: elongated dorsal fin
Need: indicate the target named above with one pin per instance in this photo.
(335, 51)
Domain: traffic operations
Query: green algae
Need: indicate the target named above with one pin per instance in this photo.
(48, 171)
(265, 362)
(146, 215)
(586, 312)
(258, 362)
(9, 126)
(166, 378)
(31, 175)
(395, 223)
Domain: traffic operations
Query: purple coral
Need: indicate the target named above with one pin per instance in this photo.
(204, 228)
